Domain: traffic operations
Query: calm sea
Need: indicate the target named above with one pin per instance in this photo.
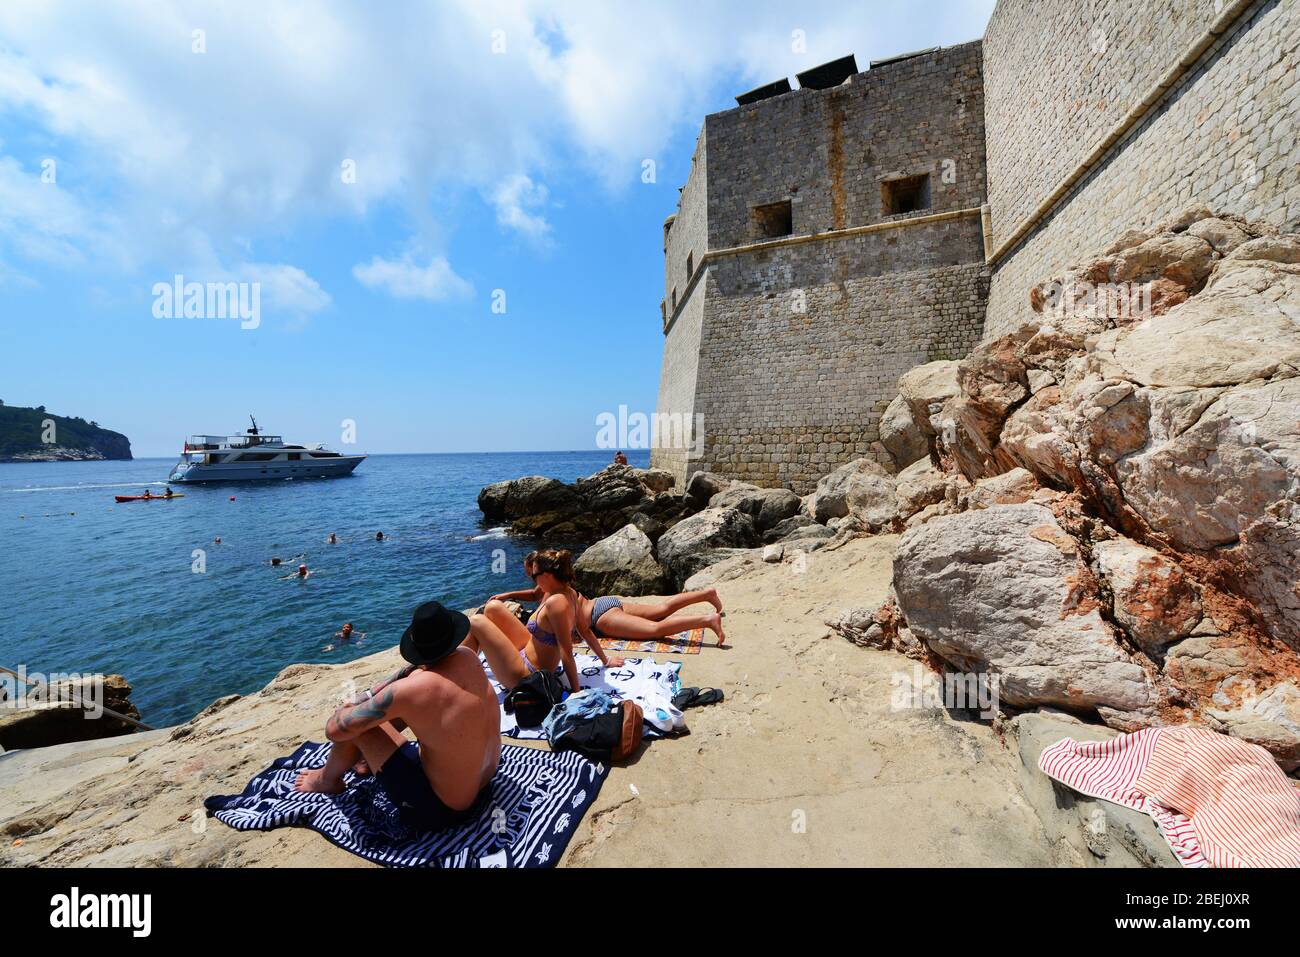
(91, 586)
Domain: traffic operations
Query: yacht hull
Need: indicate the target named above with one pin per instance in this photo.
(263, 471)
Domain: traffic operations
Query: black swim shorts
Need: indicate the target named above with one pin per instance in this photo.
(403, 779)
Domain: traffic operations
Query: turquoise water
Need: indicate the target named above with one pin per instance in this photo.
(112, 588)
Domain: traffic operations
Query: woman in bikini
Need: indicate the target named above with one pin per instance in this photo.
(515, 650)
(610, 617)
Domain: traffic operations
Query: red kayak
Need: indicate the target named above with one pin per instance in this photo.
(148, 498)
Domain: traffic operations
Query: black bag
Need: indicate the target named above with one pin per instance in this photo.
(612, 736)
(532, 699)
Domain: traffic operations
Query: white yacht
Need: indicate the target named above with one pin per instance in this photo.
(253, 456)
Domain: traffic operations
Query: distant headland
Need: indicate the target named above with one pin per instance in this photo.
(34, 435)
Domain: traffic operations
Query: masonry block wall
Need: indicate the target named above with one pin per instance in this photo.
(682, 314)
(1060, 74)
(787, 337)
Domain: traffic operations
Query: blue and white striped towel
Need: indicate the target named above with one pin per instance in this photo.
(532, 810)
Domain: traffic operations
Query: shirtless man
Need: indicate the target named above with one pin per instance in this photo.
(444, 697)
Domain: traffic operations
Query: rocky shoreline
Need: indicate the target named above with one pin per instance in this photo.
(49, 716)
(1100, 512)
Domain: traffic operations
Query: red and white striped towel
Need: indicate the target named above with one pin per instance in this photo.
(1218, 801)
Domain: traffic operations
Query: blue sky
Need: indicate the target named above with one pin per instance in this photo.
(495, 146)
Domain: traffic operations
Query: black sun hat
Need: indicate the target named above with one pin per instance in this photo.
(434, 633)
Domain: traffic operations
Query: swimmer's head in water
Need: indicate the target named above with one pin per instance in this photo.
(302, 569)
(556, 562)
(276, 561)
(379, 536)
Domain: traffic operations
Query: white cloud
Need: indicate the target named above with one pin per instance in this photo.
(286, 288)
(404, 279)
(514, 198)
(171, 156)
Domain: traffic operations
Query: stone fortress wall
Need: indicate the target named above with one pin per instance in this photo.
(787, 336)
(1064, 77)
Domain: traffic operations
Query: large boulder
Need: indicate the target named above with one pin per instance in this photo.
(871, 498)
(925, 389)
(702, 486)
(622, 564)
(684, 549)
(1153, 598)
(587, 510)
(1270, 719)
(656, 480)
(1005, 590)
(766, 506)
(901, 435)
(861, 487)
(51, 714)
(790, 527)
(530, 495)
(612, 488)
(919, 485)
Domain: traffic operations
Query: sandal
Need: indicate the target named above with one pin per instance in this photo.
(696, 697)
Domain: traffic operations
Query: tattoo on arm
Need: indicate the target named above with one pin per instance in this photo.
(350, 720)
(397, 675)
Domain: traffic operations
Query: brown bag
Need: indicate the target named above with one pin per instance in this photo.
(633, 729)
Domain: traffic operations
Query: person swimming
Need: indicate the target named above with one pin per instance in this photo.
(332, 540)
(379, 536)
(345, 636)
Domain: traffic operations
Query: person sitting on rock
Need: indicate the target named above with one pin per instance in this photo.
(515, 650)
(620, 458)
(440, 779)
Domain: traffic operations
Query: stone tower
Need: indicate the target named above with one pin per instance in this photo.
(827, 240)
